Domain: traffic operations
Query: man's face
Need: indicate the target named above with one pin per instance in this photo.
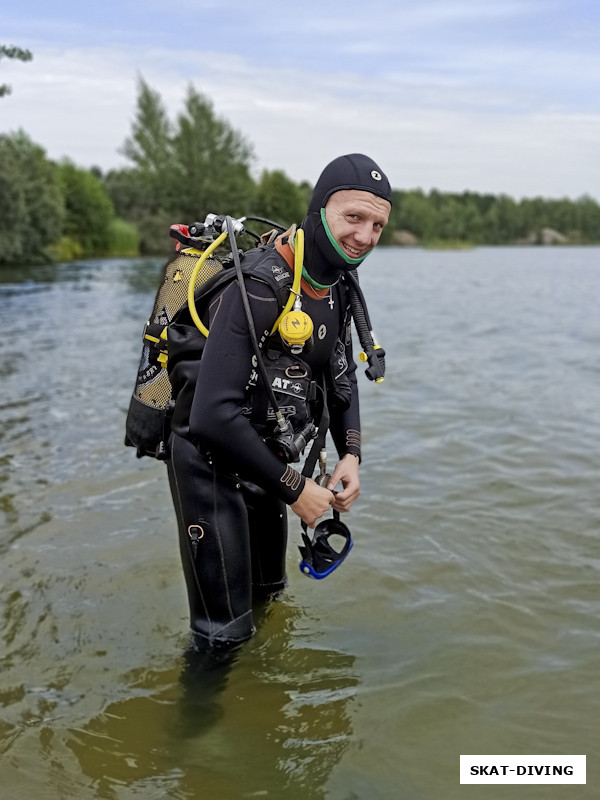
(356, 219)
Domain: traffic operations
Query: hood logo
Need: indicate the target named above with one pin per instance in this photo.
(376, 175)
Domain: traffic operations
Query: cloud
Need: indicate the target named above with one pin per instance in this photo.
(453, 124)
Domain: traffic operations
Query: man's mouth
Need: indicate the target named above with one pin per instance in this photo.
(352, 251)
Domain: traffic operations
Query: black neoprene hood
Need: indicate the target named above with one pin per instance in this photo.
(355, 171)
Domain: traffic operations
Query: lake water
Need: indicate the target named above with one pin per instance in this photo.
(465, 620)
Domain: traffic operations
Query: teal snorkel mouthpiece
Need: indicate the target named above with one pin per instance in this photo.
(319, 555)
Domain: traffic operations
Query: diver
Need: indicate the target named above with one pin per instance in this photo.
(231, 476)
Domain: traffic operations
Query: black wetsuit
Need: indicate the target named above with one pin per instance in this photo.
(229, 488)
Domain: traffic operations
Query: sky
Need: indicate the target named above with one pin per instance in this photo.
(490, 96)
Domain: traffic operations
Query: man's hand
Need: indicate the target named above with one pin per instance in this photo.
(346, 471)
(313, 502)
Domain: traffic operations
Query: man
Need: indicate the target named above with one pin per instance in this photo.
(230, 485)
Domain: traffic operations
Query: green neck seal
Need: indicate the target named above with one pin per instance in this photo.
(313, 283)
(354, 262)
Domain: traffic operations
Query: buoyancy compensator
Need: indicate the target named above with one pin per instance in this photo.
(192, 271)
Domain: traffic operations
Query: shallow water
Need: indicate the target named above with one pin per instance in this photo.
(465, 620)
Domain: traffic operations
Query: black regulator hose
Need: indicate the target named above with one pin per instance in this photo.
(373, 352)
(270, 222)
(281, 422)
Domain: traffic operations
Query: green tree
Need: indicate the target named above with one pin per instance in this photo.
(307, 189)
(211, 160)
(127, 190)
(10, 51)
(31, 203)
(532, 214)
(89, 210)
(500, 222)
(449, 223)
(588, 214)
(146, 194)
(133, 202)
(150, 149)
(180, 172)
(471, 228)
(413, 212)
(279, 199)
(563, 215)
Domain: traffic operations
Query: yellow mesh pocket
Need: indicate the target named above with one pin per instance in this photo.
(152, 386)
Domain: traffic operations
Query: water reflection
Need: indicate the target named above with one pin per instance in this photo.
(143, 276)
(470, 604)
(141, 273)
(22, 274)
(270, 719)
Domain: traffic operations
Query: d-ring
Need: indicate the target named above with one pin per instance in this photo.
(195, 532)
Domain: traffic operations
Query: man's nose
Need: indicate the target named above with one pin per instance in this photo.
(363, 233)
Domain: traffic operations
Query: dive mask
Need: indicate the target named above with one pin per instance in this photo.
(330, 544)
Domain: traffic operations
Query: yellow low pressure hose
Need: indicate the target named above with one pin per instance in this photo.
(192, 284)
(295, 290)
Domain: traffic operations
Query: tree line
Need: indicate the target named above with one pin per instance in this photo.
(180, 170)
(485, 219)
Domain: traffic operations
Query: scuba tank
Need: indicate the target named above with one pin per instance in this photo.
(146, 427)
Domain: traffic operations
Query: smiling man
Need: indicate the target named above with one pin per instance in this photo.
(230, 478)
(349, 208)
(355, 220)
